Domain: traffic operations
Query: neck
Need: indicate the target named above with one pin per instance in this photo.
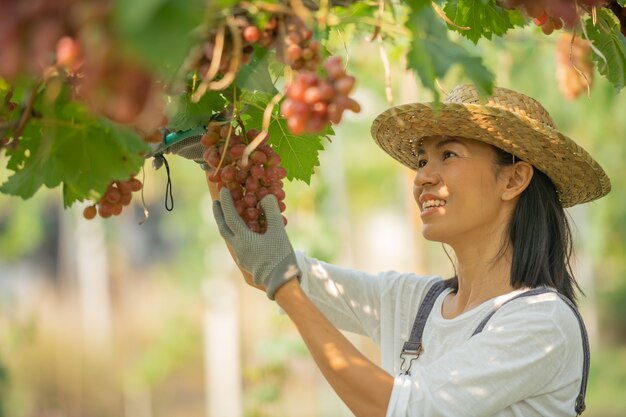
(483, 271)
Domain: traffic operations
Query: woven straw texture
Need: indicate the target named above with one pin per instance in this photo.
(508, 120)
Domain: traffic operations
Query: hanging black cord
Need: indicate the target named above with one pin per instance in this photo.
(169, 197)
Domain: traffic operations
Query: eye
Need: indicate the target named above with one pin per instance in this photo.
(447, 154)
(421, 163)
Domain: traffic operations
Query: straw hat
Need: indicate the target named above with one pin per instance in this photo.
(508, 120)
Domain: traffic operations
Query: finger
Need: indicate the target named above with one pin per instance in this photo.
(221, 222)
(269, 203)
(234, 222)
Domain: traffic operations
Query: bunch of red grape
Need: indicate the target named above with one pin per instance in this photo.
(574, 70)
(248, 184)
(298, 48)
(552, 15)
(29, 33)
(117, 195)
(114, 84)
(312, 102)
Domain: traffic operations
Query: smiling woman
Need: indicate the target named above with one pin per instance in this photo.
(502, 337)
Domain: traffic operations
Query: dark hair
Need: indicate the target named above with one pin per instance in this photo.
(540, 236)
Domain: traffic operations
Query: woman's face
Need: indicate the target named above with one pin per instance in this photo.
(458, 190)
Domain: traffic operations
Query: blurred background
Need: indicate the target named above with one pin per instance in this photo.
(111, 317)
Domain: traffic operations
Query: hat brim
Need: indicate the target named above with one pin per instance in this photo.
(577, 177)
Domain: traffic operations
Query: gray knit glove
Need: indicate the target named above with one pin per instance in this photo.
(188, 148)
(269, 257)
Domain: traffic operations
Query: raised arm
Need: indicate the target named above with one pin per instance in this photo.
(270, 261)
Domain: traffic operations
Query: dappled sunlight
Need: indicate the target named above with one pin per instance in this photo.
(336, 359)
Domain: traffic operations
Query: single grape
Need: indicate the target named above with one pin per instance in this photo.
(90, 212)
(251, 34)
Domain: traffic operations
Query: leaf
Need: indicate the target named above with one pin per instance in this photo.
(256, 75)
(77, 150)
(159, 31)
(608, 39)
(431, 54)
(484, 18)
(186, 114)
(299, 154)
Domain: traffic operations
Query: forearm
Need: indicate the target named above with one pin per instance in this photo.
(364, 387)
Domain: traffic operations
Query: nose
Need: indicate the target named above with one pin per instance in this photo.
(426, 175)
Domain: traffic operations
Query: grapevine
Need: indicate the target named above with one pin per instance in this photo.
(88, 66)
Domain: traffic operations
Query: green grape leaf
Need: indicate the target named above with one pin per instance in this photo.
(161, 32)
(431, 54)
(299, 154)
(256, 75)
(185, 114)
(608, 39)
(622, 3)
(75, 149)
(483, 18)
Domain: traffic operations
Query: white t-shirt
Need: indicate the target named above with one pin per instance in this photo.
(527, 361)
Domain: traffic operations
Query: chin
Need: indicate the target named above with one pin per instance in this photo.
(433, 235)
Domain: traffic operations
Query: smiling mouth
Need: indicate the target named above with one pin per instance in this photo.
(433, 204)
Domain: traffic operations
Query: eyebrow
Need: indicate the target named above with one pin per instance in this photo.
(441, 144)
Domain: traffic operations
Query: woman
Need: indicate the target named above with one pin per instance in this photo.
(503, 337)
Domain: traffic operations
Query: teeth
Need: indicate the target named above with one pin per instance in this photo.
(433, 203)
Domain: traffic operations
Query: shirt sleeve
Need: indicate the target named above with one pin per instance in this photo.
(531, 347)
(350, 299)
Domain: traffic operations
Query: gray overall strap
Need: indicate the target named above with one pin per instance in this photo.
(580, 400)
(413, 347)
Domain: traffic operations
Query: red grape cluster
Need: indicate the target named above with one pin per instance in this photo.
(117, 86)
(312, 102)
(553, 14)
(574, 66)
(29, 32)
(117, 195)
(249, 183)
(299, 50)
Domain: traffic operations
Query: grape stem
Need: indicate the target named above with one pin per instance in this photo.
(24, 118)
(379, 18)
(300, 10)
(268, 7)
(267, 117)
(385, 59)
(215, 64)
(571, 61)
(235, 60)
(446, 18)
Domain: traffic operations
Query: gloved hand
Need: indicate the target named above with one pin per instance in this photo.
(188, 148)
(269, 257)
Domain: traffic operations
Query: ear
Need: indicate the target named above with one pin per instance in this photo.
(517, 177)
